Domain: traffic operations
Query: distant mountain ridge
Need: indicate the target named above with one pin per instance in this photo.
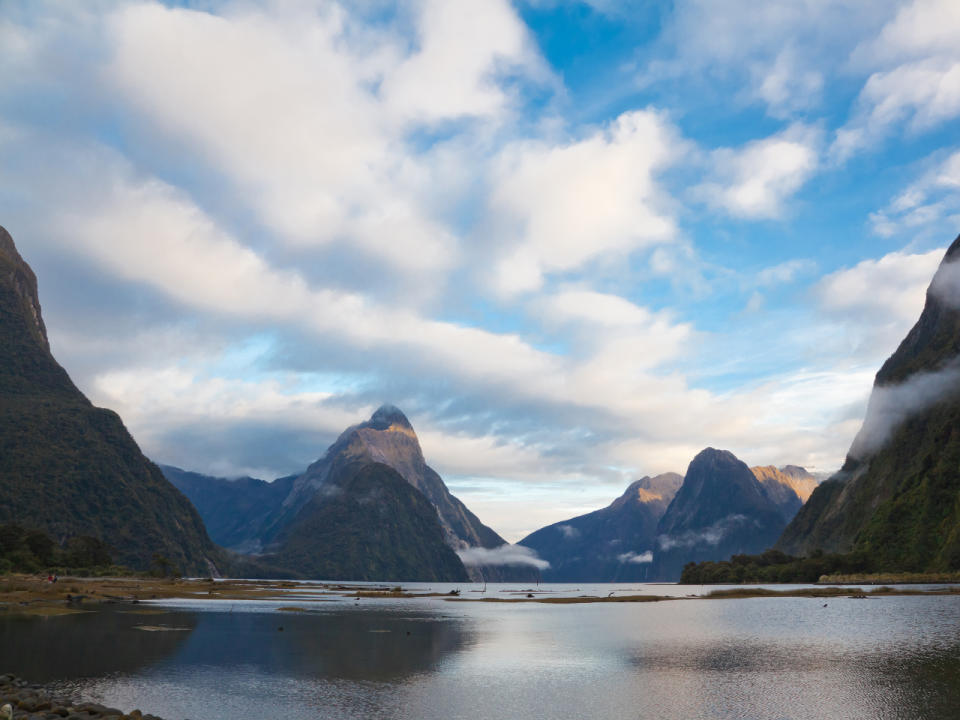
(70, 468)
(897, 497)
(611, 544)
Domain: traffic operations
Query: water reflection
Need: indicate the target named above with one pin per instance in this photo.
(763, 658)
(87, 645)
(371, 645)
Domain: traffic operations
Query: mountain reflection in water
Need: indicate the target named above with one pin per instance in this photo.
(891, 657)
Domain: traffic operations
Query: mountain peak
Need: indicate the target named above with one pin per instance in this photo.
(386, 416)
(713, 455)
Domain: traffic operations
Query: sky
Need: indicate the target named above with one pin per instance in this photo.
(575, 242)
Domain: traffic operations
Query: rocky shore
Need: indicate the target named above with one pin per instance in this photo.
(21, 700)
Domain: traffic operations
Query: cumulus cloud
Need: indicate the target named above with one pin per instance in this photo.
(877, 301)
(756, 180)
(463, 47)
(292, 128)
(559, 206)
(503, 555)
(891, 405)
(636, 558)
(568, 531)
(915, 78)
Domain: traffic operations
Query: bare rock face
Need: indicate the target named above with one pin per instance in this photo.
(20, 278)
(788, 488)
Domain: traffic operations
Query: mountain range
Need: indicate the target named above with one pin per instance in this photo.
(372, 508)
(328, 512)
(659, 524)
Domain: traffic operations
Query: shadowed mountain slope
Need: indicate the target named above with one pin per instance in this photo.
(612, 544)
(73, 469)
(720, 510)
(897, 497)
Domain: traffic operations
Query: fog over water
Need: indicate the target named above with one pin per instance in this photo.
(889, 657)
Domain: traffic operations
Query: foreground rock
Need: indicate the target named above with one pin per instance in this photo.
(32, 702)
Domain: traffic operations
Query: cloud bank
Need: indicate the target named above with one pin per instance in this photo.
(504, 555)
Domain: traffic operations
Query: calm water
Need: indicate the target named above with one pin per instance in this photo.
(893, 657)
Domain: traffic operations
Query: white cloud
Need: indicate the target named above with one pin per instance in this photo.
(557, 207)
(891, 405)
(756, 180)
(892, 288)
(915, 80)
(777, 53)
(284, 107)
(869, 308)
(503, 555)
(636, 558)
(462, 47)
(925, 206)
(946, 283)
(709, 536)
(784, 273)
(786, 85)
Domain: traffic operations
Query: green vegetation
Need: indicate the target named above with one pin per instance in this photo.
(901, 505)
(773, 566)
(373, 526)
(25, 550)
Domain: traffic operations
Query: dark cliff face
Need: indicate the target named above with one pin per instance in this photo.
(73, 469)
(720, 510)
(898, 499)
(609, 545)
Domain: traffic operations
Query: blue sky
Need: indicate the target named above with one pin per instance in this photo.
(575, 242)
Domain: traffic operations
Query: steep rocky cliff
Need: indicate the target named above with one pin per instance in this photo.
(897, 497)
(73, 469)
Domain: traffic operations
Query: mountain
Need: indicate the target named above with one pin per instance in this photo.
(897, 497)
(274, 517)
(233, 510)
(608, 545)
(788, 487)
(70, 468)
(721, 509)
(371, 524)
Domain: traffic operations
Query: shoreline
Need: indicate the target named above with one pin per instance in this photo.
(34, 595)
(28, 701)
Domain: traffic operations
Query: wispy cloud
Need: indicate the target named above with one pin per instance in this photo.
(503, 555)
